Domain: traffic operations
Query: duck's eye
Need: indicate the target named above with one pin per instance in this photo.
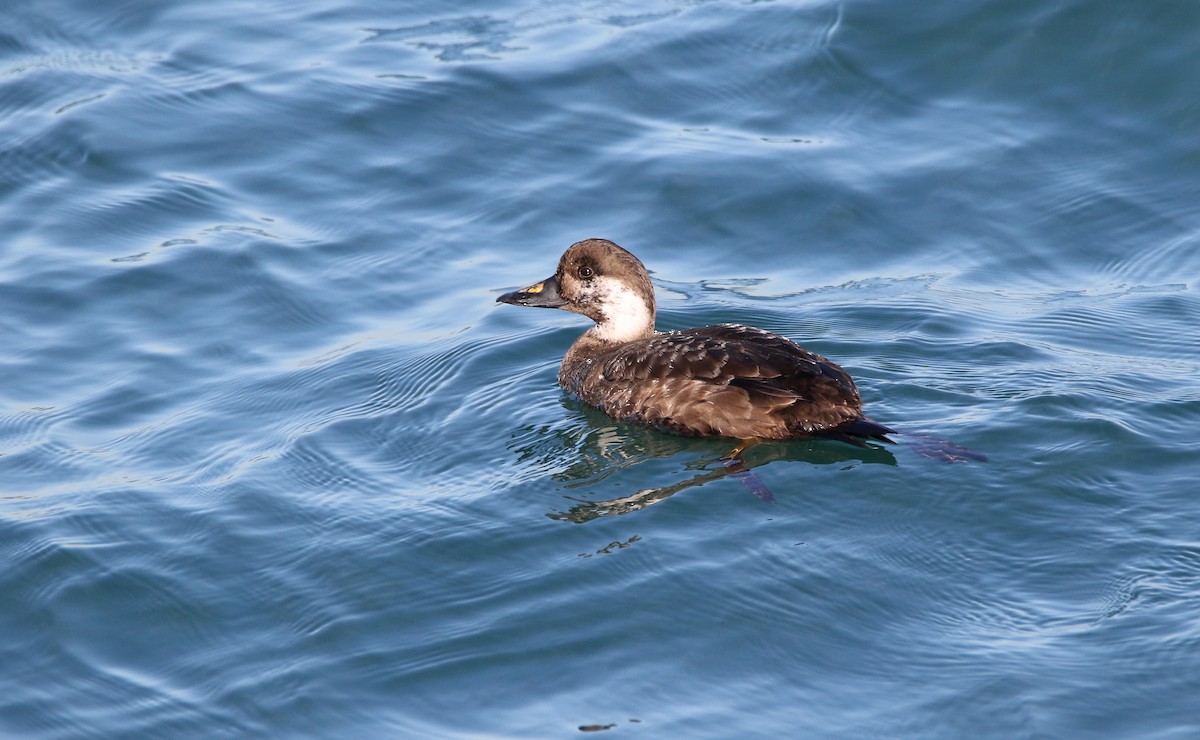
(586, 272)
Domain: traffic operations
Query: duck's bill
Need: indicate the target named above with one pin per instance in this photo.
(541, 295)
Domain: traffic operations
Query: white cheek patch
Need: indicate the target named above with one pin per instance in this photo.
(626, 315)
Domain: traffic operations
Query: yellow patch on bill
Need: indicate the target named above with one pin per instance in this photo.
(535, 288)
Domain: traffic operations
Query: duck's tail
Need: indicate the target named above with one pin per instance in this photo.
(925, 445)
(855, 430)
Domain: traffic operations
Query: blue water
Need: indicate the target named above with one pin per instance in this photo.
(274, 464)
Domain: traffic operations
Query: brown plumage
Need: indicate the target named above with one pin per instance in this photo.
(727, 380)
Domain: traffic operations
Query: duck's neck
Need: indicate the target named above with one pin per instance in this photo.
(586, 352)
(627, 316)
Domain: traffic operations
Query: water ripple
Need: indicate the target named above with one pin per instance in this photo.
(273, 462)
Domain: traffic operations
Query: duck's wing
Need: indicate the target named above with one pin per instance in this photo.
(727, 380)
(755, 356)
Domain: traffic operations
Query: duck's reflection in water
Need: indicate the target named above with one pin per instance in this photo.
(597, 448)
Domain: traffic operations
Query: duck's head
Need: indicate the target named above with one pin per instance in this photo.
(602, 281)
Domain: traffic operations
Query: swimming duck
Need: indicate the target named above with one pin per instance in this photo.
(726, 381)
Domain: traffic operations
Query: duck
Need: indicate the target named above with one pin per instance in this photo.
(727, 380)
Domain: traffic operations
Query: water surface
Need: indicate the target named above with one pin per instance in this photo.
(273, 463)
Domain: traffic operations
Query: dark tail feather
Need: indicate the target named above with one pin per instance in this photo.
(924, 445)
(849, 431)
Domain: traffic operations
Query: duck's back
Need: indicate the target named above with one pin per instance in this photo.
(727, 380)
